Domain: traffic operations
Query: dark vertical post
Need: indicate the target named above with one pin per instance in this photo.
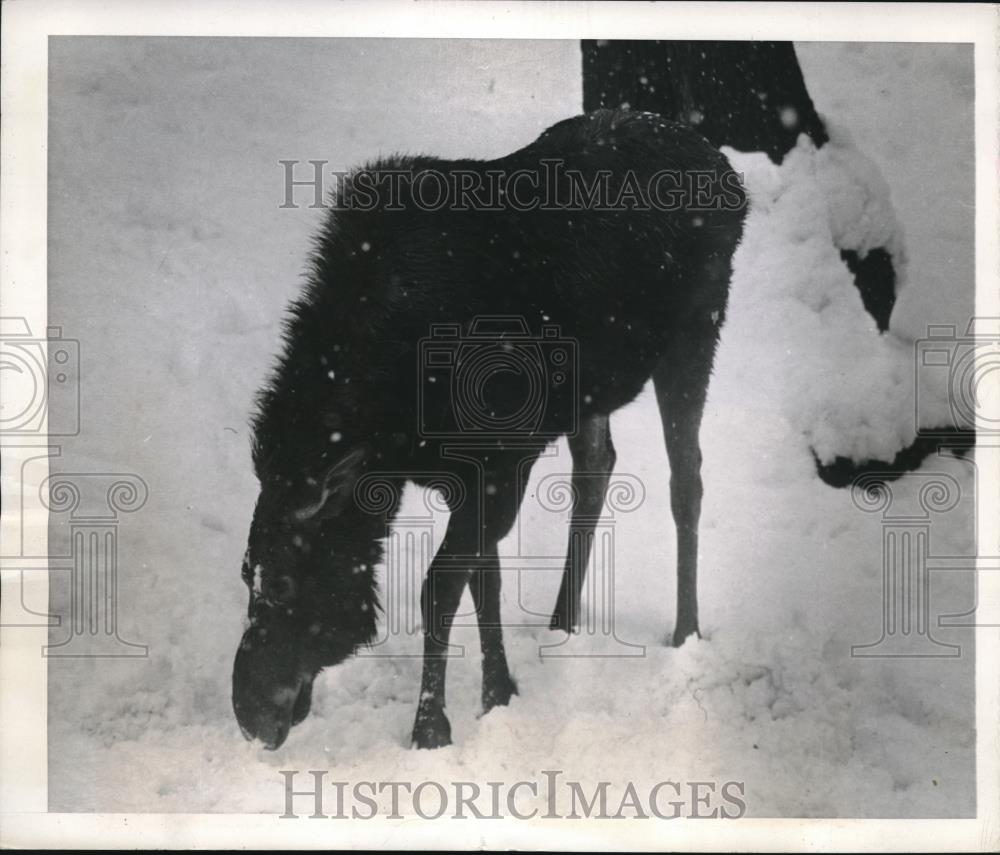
(748, 95)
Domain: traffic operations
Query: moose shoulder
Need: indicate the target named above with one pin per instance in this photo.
(458, 315)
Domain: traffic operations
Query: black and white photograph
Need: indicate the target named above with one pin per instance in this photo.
(533, 425)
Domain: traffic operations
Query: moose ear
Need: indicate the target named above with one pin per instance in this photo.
(332, 493)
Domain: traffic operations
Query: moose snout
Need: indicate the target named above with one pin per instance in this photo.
(270, 693)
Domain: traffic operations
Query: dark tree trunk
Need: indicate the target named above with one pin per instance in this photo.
(747, 95)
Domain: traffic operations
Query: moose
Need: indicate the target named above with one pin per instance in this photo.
(625, 283)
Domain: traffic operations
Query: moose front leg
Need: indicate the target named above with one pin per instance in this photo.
(593, 457)
(439, 599)
(449, 572)
(470, 546)
(498, 685)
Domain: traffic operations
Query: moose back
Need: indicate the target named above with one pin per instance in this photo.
(458, 316)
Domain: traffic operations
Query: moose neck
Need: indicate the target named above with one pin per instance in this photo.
(354, 546)
(313, 411)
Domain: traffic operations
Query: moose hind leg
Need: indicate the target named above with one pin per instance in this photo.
(593, 457)
(681, 383)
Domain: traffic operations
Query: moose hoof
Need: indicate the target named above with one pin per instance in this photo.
(682, 634)
(499, 694)
(561, 621)
(431, 729)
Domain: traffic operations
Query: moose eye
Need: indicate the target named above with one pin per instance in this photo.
(245, 571)
(282, 589)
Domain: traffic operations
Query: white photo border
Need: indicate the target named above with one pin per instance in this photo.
(25, 821)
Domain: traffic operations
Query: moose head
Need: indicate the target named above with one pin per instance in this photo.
(309, 568)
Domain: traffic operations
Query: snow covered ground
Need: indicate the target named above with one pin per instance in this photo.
(170, 260)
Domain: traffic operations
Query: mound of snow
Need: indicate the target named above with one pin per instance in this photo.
(847, 389)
